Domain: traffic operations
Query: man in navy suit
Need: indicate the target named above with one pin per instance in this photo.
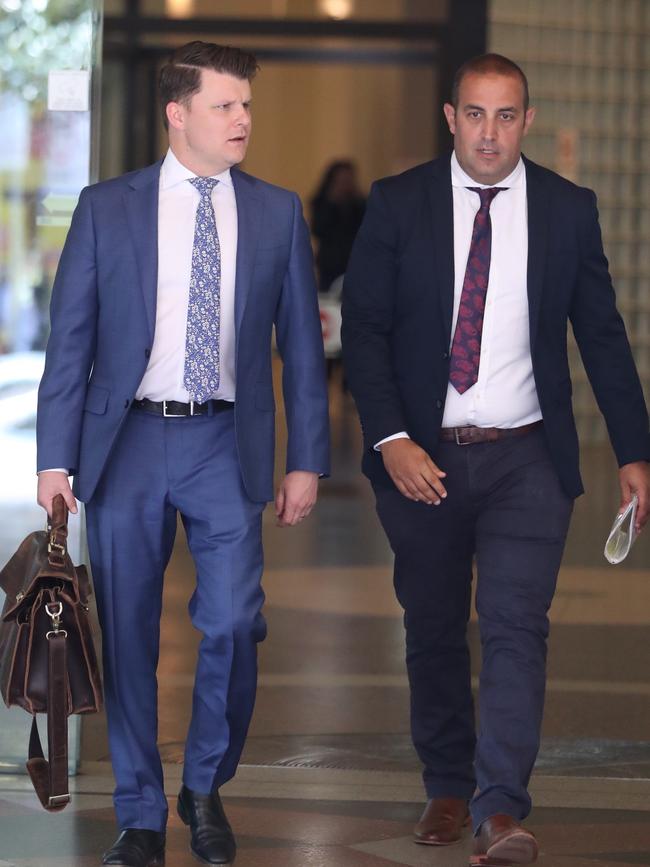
(157, 397)
(463, 278)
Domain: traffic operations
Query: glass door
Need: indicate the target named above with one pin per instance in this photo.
(49, 80)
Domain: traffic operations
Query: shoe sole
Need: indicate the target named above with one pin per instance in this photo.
(486, 861)
(213, 863)
(157, 861)
(516, 849)
(438, 843)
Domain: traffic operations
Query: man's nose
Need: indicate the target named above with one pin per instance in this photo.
(490, 128)
(243, 117)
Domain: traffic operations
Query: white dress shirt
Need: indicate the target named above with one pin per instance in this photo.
(178, 201)
(504, 395)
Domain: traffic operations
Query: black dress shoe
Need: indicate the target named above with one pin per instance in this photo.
(137, 847)
(212, 838)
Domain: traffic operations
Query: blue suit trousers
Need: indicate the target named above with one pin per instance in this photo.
(159, 468)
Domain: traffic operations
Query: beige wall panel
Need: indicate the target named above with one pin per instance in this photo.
(305, 115)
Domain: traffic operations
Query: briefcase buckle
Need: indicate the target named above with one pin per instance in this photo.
(58, 800)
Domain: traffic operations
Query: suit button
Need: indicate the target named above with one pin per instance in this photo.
(126, 403)
(439, 404)
(147, 353)
(445, 355)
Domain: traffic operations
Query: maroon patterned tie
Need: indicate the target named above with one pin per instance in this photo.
(466, 346)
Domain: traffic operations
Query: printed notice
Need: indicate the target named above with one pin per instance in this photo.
(68, 90)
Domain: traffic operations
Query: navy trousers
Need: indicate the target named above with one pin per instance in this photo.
(505, 509)
(160, 467)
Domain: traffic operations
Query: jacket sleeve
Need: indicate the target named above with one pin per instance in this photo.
(605, 350)
(300, 343)
(71, 345)
(368, 313)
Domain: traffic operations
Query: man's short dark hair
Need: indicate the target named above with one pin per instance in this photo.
(489, 64)
(180, 77)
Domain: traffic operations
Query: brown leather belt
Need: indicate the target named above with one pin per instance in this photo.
(467, 436)
(174, 409)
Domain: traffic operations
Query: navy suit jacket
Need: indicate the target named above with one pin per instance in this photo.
(103, 314)
(398, 306)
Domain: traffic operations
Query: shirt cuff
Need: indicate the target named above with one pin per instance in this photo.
(53, 470)
(402, 435)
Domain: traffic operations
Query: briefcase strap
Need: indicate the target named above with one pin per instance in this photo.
(57, 549)
(50, 778)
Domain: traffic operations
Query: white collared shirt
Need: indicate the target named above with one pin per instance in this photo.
(504, 395)
(178, 201)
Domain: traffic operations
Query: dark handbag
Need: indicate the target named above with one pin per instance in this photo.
(47, 657)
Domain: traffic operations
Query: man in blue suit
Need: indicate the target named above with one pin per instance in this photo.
(157, 397)
(463, 278)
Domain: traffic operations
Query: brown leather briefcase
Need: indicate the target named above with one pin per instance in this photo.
(47, 657)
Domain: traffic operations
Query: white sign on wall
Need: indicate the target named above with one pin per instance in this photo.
(68, 90)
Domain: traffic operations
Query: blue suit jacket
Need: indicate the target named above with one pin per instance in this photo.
(103, 314)
(398, 306)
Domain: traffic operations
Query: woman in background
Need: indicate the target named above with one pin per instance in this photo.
(337, 210)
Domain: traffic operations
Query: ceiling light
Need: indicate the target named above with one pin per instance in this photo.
(338, 9)
(179, 8)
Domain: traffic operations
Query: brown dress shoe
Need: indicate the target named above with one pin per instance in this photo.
(442, 821)
(502, 842)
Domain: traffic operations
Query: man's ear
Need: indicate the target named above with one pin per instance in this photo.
(450, 114)
(529, 118)
(175, 115)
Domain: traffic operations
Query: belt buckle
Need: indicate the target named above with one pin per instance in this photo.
(459, 441)
(175, 414)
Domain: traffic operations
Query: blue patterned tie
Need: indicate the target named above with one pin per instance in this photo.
(201, 375)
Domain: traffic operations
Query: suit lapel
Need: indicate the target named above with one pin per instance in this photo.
(141, 202)
(250, 206)
(442, 216)
(537, 204)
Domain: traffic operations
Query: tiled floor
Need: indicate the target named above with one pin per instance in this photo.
(307, 830)
(329, 776)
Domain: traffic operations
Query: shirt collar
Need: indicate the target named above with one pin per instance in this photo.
(173, 172)
(460, 178)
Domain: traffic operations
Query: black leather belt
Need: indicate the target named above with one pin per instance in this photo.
(467, 436)
(175, 409)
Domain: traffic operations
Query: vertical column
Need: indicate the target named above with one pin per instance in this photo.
(465, 37)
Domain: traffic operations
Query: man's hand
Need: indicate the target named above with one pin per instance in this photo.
(635, 479)
(414, 473)
(296, 497)
(51, 483)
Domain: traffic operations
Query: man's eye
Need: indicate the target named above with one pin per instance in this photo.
(506, 116)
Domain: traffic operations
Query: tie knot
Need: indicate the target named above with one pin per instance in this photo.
(204, 185)
(486, 194)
